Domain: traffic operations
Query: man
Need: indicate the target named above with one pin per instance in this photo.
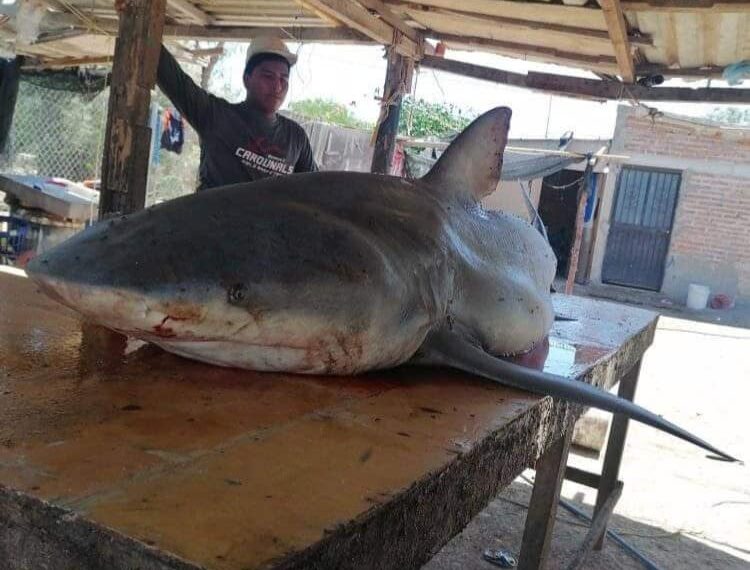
(245, 141)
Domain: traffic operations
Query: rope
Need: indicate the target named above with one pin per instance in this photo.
(564, 186)
(389, 99)
(90, 23)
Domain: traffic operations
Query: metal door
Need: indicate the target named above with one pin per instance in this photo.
(641, 225)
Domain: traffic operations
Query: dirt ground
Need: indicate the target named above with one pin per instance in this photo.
(678, 508)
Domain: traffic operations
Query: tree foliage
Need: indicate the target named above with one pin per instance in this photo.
(327, 111)
(422, 119)
(731, 115)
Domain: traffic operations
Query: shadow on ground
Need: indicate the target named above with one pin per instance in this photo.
(501, 524)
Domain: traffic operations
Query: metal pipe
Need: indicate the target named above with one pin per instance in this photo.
(647, 563)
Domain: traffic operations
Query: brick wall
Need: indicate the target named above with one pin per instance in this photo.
(662, 136)
(710, 241)
(712, 224)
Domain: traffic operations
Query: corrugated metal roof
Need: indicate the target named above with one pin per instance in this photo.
(553, 31)
(694, 39)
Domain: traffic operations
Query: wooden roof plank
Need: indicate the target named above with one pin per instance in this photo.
(530, 11)
(686, 5)
(393, 19)
(191, 11)
(357, 17)
(525, 25)
(477, 27)
(604, 63)
(618, 32)
(246, 33)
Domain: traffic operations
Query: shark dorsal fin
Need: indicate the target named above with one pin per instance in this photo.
(473, 161)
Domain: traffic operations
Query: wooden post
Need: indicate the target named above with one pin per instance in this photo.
(128, 136)
(575, 248)
(540, 520)
(10, 72)
(397, 82)
(615, 447)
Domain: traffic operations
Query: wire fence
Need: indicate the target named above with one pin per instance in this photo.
(59, 129)
(59, 133)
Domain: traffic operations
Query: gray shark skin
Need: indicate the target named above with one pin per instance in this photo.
(334, 273)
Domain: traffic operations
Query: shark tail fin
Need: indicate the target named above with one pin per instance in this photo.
(473, 161)
(448, 349)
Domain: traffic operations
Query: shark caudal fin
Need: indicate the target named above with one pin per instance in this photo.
(449, 349)
(473, 161)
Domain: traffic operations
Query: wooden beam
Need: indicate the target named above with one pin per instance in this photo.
(61, 63)
(524, 25)
(128, 136)
(235, 33)
(588, 88)
(56, 36)
(685, 5)
(547, 54)
(397, 82)
(355, 16)
(191, 11)
(394, 20)
(246, 33)
(713, 72)
(618, 33)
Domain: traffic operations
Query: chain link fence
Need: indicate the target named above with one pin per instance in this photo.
(59, 129)
(60, 133)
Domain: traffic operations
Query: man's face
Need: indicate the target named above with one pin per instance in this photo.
(267, 85)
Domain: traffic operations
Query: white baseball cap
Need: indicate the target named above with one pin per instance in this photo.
(270, 44)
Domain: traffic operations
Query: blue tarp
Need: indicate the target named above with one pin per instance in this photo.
(516, 165)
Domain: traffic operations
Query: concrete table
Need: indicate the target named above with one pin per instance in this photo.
(117, 455)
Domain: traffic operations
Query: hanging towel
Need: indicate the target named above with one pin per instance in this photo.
(173, 131)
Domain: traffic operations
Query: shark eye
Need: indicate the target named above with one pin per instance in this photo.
(237, 293)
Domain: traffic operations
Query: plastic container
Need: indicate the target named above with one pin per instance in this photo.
(697, 296)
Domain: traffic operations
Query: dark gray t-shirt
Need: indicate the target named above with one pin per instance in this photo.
(238, 143)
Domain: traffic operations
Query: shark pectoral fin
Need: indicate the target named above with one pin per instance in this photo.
(473, 161)
(445, 348)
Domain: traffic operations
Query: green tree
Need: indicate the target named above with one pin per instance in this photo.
(731, 115)
(327, 111)
(422, 119)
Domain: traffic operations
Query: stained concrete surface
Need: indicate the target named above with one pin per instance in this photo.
(678, 508)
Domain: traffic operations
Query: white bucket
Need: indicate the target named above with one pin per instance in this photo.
(697, 296)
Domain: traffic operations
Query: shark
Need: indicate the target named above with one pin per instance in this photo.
(335, 273)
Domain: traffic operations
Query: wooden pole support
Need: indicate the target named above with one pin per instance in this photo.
(397, 82)
(598, 527)
(540, 519)
(615, 447)
(128, 136)
(575, 249)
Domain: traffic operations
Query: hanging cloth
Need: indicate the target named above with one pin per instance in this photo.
(173, 131)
